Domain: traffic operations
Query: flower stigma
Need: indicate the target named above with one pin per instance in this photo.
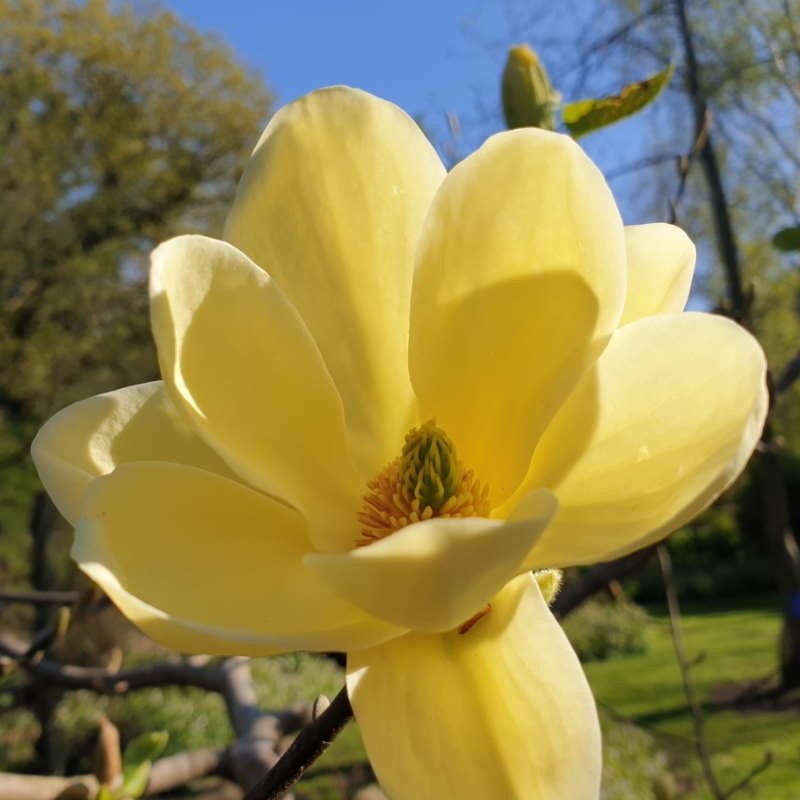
(427, 480)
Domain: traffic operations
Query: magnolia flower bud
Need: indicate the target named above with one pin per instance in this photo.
(529, 99)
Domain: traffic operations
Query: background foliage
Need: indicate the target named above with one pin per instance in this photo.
(121, 127)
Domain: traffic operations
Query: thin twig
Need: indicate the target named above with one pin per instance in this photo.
(40, 598)
(103, 681)
(790, 374)
(310, 743)
(766, 762)
(685, 165)
(683, 663)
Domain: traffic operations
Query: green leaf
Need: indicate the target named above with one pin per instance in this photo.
(134, 780)
(147, 747)
(137, 760)
(585, 116)
(104, 793)
(787, 239)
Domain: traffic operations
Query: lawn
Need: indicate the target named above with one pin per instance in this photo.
(739, 644)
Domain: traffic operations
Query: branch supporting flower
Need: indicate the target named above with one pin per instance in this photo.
(309, 745)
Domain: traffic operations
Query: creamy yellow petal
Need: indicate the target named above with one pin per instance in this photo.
(202, 563)
(660, 267)
(520, 280)
(664, 423)
(244, 369)
(331, 206)
(502, 711)
(91, 437)
(434, 575)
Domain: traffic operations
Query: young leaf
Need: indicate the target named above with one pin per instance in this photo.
(147, 747)
(585, 116)
(137, 760)
(134, 780)
(787, 239)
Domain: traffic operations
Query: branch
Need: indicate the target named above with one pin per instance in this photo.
(165, 774)
(39, 598)
(686, 676)
(685, 165)
(594, 579)
(310, 743)
(790, 374)
(726, 240)
(39, 787)
(177, 770)
(103, 681)
(748, 779)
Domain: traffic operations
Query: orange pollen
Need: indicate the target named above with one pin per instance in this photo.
(397, 496)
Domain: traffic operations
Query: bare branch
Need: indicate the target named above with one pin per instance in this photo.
(686, 675)
(38, 787)
(310, 743)
(39, 598)
(103, 681)
(177, 770)
(165, 774)
(755, 772)
(594, 579)
(787, 378)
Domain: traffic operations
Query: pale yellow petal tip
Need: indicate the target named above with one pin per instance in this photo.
(550, 581)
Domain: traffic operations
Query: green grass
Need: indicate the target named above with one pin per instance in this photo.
(739, 644)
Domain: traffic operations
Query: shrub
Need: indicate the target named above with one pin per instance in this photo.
(600, 629)
(633, 766)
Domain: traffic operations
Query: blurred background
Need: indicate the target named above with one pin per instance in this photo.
(123, 124)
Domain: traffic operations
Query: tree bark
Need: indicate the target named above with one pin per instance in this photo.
(781, 539)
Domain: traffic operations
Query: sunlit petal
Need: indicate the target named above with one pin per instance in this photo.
(502, 711)
(662, 425)
(331, 205)
(246, 372)
(520, 281)
(435, 575)
(91, 437)
(660, 267)
(202, 563)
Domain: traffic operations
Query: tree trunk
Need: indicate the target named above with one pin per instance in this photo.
(780, 539)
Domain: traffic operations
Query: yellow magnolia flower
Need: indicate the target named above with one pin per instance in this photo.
(387, 396)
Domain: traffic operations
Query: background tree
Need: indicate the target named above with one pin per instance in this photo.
(730, 123)
(117, 130)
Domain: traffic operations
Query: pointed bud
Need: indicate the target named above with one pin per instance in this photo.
(549, 581)
(529, 99)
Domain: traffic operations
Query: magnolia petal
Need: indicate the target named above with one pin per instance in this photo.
(202, 563)
(502, 711)
(665, 421)
(520, 281)
(660, 267)
(331, 205)
(90, 438)
(435, 575)
(246, 372)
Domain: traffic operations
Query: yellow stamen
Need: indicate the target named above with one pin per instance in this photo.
(426, 481)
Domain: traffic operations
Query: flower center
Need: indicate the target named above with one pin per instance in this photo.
(427, 480)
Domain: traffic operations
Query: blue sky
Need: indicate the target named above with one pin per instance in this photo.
(430, 57)
(417, 53)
